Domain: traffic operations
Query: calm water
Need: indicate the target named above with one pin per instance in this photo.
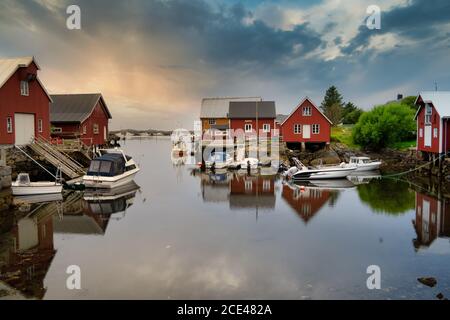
(186, 235)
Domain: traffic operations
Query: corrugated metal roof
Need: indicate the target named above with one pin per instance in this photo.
(247, 109)
(439, 99)
(219, 107)
(74, 107)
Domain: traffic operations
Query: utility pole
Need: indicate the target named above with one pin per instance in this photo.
(435, 86)
(257, 131)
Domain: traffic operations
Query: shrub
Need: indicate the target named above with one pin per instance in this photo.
(385, 125)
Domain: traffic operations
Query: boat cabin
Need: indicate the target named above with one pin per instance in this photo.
(107, 165)
(360, 160)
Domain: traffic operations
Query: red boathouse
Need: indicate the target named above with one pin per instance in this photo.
(24, 102)
(80, 116)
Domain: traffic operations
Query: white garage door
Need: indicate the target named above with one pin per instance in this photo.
(24, 128)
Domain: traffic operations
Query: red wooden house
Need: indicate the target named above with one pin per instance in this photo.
(250, 117)
(432, 116)
(306, 124)
(24, 102)
(80, 116)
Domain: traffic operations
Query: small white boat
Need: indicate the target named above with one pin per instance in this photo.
(364, 164)
(219, 160)
(251, 163)
(24, 187)
(112, 169)
(301, 172)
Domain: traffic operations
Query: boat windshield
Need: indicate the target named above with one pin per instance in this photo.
(24, 179)
(107, 165)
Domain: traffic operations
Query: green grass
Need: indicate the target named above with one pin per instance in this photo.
(404, 145)
(343, 134)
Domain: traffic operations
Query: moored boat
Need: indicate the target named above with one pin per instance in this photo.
(364, 163)
(302, 172)
(112, 169)
(219, 160)
(249, 163)
(24, 187)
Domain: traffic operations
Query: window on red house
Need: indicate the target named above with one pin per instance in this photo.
(9, 125)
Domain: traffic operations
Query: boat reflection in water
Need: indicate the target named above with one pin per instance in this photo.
(432, 220)
(27, 249)
(308, 197)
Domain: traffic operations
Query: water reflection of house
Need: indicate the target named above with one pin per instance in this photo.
(252, 191)
(306, 201)
(432, 220)
(27, 250)
(240, 190)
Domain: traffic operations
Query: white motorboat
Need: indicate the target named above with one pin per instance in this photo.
(219, 160)
(249, 163)
(24, 187)
(112, 169)
(364, 164)
(301, 172)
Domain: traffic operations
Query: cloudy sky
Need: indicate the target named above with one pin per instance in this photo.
(154, 60)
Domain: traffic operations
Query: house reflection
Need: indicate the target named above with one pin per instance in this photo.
(307, 200)
(239, 189)
(27, 249)
(432, 220)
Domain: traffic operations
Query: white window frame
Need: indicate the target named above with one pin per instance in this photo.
(266, 127)
(266, 185)
(40, 126)
(248, 185)
(428, 113)
(435, 133)
(315, 128)
(57, 130)
(95, 128)
(297, 128)
(24, 88)
(421, 132)
(248, 127)
(211, 121)
(84, 129)
(9, 125)
(307, 111)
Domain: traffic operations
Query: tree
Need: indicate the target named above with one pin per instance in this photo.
(352, 117)
(409, 101)
(332, 105)
(385, 125)
(350, 113)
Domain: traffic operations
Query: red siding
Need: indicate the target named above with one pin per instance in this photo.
(237, 124)
(11, 101)
(435, 123)
(98, 116)
(297, 117)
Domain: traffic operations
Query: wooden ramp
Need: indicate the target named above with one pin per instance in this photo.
(69, 166)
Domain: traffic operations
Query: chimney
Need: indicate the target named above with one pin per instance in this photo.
(399, 96)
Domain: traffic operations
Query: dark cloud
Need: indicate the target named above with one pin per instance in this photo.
(418, 19)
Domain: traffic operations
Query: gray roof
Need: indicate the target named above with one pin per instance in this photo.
(74, 107)
(219, 107)
(247, 109)
(439, 99)
(281, 117)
